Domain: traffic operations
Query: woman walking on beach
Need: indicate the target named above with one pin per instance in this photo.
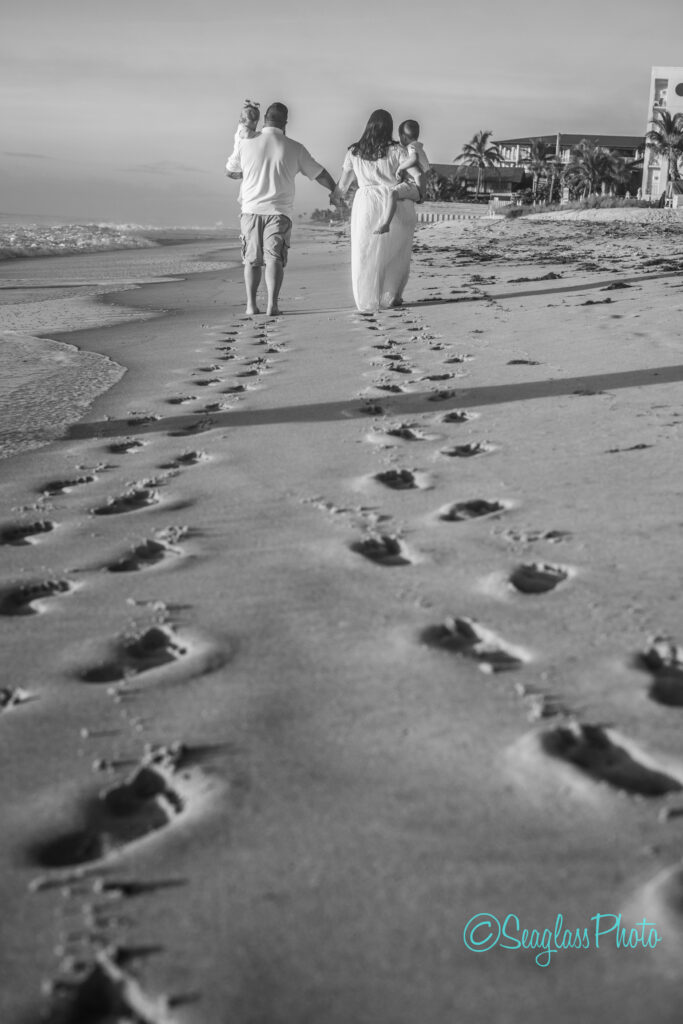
(380, 263)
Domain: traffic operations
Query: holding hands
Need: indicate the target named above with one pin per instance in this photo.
(337, 197)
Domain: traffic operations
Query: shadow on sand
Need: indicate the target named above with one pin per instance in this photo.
(409, 404)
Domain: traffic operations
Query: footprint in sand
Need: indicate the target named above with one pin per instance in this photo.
(438, 376)
(383, 549)
(442, 396)
(407, 432)
(144, 556)
(131, 501)
(186, 459)
(663, 658)
(371, 409)
(19, 600)
(153, 649)
(181, 399)
(603, 756)
(24, 533)
(103, 991)
(467, 637)
(523, 362)
(466, 451)
(462, 511)
(142, 418)
(64, 486)
(398, 479)
(13, 697)
(159, 790)
(531, 536)
(158, 647)
(196, 427)
(537, 577)
(459, 416)
(128, 444)
(207, 382)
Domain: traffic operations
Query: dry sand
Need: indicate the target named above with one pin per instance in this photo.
(328, 633)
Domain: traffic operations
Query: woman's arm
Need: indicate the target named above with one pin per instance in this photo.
(347, 178)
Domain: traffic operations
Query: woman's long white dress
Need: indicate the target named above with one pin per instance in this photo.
(380, 264)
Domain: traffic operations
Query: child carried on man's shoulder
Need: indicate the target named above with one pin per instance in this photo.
(246, 129)
(247, 124)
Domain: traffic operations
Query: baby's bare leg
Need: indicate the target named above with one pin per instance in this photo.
(392, 203)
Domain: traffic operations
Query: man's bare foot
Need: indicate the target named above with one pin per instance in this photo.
(252, 311)
(273, 311)
(381, 230)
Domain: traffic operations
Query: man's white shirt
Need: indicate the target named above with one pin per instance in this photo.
(269, 163)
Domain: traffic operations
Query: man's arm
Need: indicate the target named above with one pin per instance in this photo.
(327, 181)
(233, 167)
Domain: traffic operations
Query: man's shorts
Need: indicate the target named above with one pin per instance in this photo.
(265, 238)
(408, 190)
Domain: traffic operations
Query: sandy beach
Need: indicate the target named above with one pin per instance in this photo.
(330, 637)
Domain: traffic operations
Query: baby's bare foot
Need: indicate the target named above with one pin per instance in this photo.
(382, 229)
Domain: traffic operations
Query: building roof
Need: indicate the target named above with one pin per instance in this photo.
(566, 139)
(469, 173)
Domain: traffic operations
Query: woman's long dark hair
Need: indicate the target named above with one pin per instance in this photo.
(375, 141)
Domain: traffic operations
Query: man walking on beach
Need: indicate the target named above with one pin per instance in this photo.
(268, 163)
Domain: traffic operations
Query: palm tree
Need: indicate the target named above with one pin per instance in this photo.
(556, 167)
(540, 156)
(479, 152)
(589, 166)
(665, 139)
(620, 171)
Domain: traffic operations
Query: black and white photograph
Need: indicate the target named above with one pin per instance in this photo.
(341, 512)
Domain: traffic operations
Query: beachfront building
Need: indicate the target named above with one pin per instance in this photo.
(666, 93)
(493, 181)
(517, 152)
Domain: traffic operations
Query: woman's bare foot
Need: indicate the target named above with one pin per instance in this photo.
(381, 230)
(252, 311)
(273, 311)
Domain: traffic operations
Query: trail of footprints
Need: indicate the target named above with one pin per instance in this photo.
(168, 783)
(597, 752)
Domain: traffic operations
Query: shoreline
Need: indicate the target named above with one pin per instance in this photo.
(33, 318)
(332, 635)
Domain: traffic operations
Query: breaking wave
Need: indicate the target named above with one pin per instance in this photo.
(67, 239)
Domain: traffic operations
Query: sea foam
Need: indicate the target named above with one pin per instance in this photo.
(68, 239)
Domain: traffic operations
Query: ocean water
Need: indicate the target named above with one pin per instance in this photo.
(47, 383)
(19, 240)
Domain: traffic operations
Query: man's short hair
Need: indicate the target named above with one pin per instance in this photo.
(277, 114)
(409, 128)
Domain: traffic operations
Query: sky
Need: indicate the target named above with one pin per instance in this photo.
(124, 110)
